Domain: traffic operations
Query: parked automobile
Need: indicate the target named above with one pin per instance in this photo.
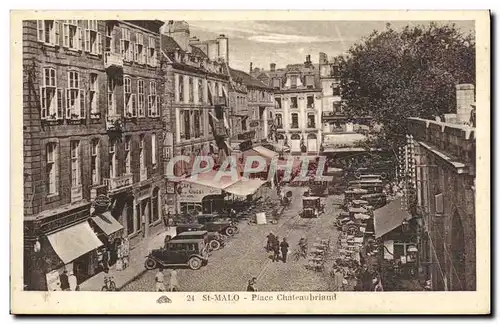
(376, 200)
(214, 240)
(179, 252)
(215, 223)
(311, 207)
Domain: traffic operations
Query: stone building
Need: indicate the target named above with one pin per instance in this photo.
(445, 159)
(196, 100)
(252, 108)
(92, 128)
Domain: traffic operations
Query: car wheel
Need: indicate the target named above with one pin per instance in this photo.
(214, 245)
(150, 264)
(195, 263)
(229, 231)
(383, 176)
(357, 175)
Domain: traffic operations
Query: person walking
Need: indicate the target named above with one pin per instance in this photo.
(63, 278)
(174, 284)
(270, 241)
(276, 249)
(251, 284)
(284, 249)
(159, 280)
(73, 282)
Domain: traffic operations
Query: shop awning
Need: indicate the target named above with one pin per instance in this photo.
(280, 148)
(73, 242)
(389, 217)
(265, 152)
(107, 223)
(245, 187)
(211, 179)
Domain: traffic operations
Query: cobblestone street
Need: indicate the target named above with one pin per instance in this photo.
(244, 257)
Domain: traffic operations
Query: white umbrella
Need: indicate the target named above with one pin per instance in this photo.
(361, 216)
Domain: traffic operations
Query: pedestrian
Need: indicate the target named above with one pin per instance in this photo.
(251, 284)
(159, 280)
(276, 249)
(125, 252)
(73, 284)
(284, 249)
(63, 278)
(174, 284)
(270, 241)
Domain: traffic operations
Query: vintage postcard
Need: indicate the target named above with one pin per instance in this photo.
(250, 162)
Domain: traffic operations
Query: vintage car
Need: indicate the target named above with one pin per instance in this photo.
(311, 207)
(179, 252)
(353, 194)
(214, 240)
(216, 223)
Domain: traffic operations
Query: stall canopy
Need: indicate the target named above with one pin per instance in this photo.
(280, 148)
(260, 151)
(245, 187)
(389, 217)
(107, 223)
(74, 242)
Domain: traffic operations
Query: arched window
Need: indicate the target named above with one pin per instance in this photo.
(280, 137)
(295, 137)
(311, 136)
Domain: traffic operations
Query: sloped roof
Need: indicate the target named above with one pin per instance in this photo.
(247, 79)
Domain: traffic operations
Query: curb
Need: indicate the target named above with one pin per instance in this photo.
(138, 275)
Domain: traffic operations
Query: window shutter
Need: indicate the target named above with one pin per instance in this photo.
(79, 34)
(136, 53)
(157, 112)
(57, 33)
(131, 51)
(60, 103)
(40, 29)
(134, 105)
(82, 104)
(439, 203)
(43, 107)
(150, 102)
(87, 40)
(144, 56)
(99, 43)
(68, 104)
(122, 48)
(65, 35)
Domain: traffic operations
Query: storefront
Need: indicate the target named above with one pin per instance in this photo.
(199, 198)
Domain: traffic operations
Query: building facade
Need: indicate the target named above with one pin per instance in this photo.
(445, 155)
(196, 78)
(92, 128)
(253, 108)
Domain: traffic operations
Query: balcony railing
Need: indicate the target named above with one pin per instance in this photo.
(113, 60)
(143, 175)
(119, 183)
(76, 193)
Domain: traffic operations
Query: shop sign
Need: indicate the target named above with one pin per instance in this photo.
(194, 193)
(170, 187)
(102, 201)
(254, 123)
(144, 193)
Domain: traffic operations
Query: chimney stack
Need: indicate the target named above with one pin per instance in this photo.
(272, 67)
(179, 31)
(307, 63)
(323, 59)
(223, 46)
(251, 67)
(465, 100)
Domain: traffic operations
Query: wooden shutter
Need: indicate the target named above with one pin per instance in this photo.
(99, 43)
(150, 104)
(43, 102)
(134, 105)
(57, 33)
(68, 104)
(136, 53)
(79, 34)
(65, 35)
(87, 40)
(60, 103)
(157, 113)
(439, 203)
(40, 30)
(130, 51)
(83, 104)
(122, 48)
(144, 55)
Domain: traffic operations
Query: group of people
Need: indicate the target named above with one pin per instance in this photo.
(274, 245)
(160, 281)
(68, 281)
(114, 253)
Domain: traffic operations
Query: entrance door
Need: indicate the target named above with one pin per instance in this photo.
(312, 143)
(295, 143)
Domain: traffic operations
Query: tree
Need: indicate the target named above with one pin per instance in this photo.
(392, 75)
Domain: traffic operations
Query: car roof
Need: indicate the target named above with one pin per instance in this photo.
(180, 240)
(190, 225)
(311, 198)
(192, 233)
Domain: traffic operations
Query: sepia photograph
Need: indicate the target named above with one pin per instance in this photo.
(267, 159)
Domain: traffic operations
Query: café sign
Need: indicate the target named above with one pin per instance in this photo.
(254, 123)
(194, 193)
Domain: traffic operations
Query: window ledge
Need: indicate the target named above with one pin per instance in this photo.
(53, 195)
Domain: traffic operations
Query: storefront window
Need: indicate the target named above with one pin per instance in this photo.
(130, 219)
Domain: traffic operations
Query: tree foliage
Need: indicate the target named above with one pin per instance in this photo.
(392, 75)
